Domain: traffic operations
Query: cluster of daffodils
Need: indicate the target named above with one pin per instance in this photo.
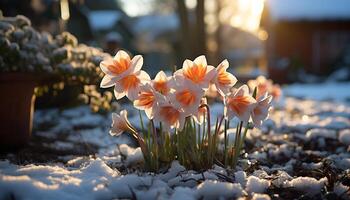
(178, 104)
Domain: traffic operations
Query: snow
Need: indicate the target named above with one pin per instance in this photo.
(336, 91)
(183, 193)
(241, 178)
(213, 189)
(309, 10)
(256, 185)
(324, 133)
(344, 136)
(261, 197)
(173, 171)
(133, 155)
(342, 190)
(301, 135)
(55, 182)
(309, 185)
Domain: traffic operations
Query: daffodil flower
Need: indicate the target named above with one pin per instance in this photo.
(197, 72)
(240, 104)
(130, 85)
(120, 123)
(186, 96)
(148, 99)
(262, 84)
(161, 83)
(169, 115)
(276, 92)
(125, 74)
(261, 110)
(224, 80)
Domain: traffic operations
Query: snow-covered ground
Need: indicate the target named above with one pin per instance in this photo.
(303, 150)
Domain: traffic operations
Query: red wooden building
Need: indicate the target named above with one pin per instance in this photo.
(305, 34)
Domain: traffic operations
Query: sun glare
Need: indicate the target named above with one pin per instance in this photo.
(243, 14)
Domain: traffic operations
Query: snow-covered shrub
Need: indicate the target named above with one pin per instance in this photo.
(23, 49)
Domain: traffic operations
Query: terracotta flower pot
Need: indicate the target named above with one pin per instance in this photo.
(16, 108)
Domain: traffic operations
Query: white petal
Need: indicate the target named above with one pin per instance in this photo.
(224, 64)
(161, 76)
(149, 113)
(137, 63)
(211, 73)
(118, 91)
(242, 91)
(143, 77)
(104, 66)
(201, 60)
(121, 54)
(186, 64)
(107, 81)
(133, 93)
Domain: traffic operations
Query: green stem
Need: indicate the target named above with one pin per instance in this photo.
(141, 121)
(225, 142)
(237, 141)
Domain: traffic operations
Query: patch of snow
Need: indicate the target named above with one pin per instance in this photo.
(261, 197)
(173, 171)
(133, 155)
(344, 136)
(213, 189)
(55, 182)
(342, 190)
(338, 91)
(184, 193)
(310, 186)
(282, 179)
(191, 178)
(257, 185)
(241, 178)
(341, 74)
(321, 133)
(124, 186)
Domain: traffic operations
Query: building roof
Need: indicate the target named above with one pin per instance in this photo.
(103, 19)
(310, 10)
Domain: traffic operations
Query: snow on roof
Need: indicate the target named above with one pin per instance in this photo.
(102, 20)
(157, 24)
(293, 10)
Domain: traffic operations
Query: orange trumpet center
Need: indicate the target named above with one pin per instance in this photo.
(161, 86)
(186, 98)
(196, 73)
(119, 66)
(169, 114)
(223, 77)
(239, 104)
(130, 81)
(146, 99)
